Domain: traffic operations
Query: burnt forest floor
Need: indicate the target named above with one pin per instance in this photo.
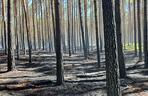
(82, 77)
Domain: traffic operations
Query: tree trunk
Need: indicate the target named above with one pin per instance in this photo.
(10, 57)
(135, 31)
(145, 35)
(53, 23)
(82, 30)
(60, 69)
(139, 30)
(33, 21)
(28, 33)
(4, 25)
(68, 36)
(97, 39)
(112, 76)
(121, 62)
(86, 27)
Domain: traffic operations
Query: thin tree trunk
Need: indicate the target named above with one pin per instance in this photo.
(60, 69)
(139, 30)
(68, 36)
(121, 62)
(4, 26)
(86, 27)
(28, 33)
(82, 31)
(97, 39)
(53, 23)
(135, 31)
(33, 20)
(145, 35)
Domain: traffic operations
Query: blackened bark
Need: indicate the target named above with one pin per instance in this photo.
(121, 62)
(145, 35)
(97, 39)
(59, 63)
(112, 75)
(10, 57)
(82, 30)
(28, 33)
(135, 31)
(139, 30)
(68, 36)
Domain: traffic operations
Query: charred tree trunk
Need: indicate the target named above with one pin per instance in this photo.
(139, 30)
(119, 40)
(145, 35)
(60, 69)
(97, 39)
(82, 30)
(135, 31)
(112, 76)
(11, 60)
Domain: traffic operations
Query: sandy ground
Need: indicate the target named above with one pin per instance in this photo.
(82, 77)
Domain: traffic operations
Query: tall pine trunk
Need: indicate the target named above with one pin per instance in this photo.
(4, 26)
(112, 75)
(68, 36)
(135, 31)
(139, 30)
(59, 63)
(145, 35)
(121, 62)
(28, 32)
(82, 30)
(10, 57)
(97, 39)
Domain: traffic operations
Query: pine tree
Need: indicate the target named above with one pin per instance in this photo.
(112, 76)
(121, 62)
(60, 73)
(11, 62)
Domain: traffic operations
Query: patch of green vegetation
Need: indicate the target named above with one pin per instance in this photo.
(131, 46)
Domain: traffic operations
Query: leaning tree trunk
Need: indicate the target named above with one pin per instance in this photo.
(112, 76)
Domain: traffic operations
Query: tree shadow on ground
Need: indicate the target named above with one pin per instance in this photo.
(86, 72)
(137, 87)
(17, 85)
(1, 72)
(48, 67)
(70, 89)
